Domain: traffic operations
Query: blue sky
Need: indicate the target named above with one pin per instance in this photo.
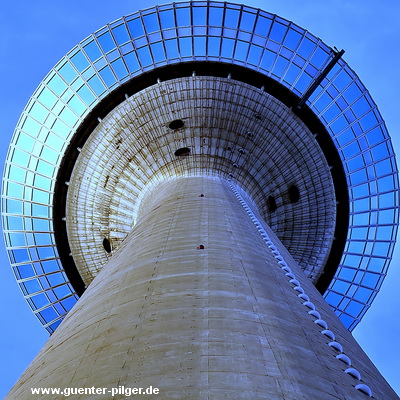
(35, 35)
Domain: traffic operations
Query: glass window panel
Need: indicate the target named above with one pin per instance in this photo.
(292, 39)
(62, 291)
(96, 85)
(183, 16)
(340, 286)
(199, 15)
(278, 32)
(368, 121)
(25, 271)
(380, 151)
(17, 239)
(363, 294)
(61, 129)
(32, 286)
(342, 80)
(144, 56)
(241, 50)
(106, 42)
(32, 127)
(67, 72)
(255, 54)
(14, 190)
(333, 299)
(20, 255)
(41, 196)
(346, 320)
(361, 107)
(42, 239)
(136, 28)
(384, 233)
(86, 95)
(354, 308)
(387, 200)
(107, 76)
(262, 26)
(68, 116)
(93, 51)
(42, 182)
(151, 22)
(231, 18)
(386, 216)
(80, 61)
(359, 234)
(121, 34)
(40, 211)
(347, 274)
(20, 157)
(77, 105)
(40, 300)
(358, 177)
(47, 98)
(351, 150)
(171, 47)
(68, 303)
(355, 163)
(132, 62)
(267, 60)
(55, 279)
(332, 112)
(215, 16)
(214, 44)
(227, 48)
(303, 83)
(14, 206)
(375, 136)
(45, 252)
(49, 314)
(17, 174)
(119, 69)
(200, 46)
(280, 66)
(167, 19)
(57, 85)
(41, 225)
(292, 73)
(50, 266)
(306, 48)
(185, 45)
(247, 21)
(158, 52)
(15, 223)
(352, 93)
(319, 58)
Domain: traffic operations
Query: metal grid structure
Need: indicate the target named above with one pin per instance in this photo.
(189, 32)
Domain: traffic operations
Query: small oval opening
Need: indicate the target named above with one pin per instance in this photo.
(183, 151)
(107, 245)
(176, 124)
(271, 203)
(294, 194)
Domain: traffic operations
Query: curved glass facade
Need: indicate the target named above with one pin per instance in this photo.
(187, 32)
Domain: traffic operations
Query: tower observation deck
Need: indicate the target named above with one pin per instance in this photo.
(219, 188)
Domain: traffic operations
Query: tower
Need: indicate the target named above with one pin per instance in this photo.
(199, 124)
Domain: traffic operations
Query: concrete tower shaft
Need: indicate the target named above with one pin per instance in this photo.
(226, 321)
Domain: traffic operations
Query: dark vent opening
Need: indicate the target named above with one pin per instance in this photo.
(294, 194)
(176, 124)
(183, 151)
(271, 203)
(107, 245)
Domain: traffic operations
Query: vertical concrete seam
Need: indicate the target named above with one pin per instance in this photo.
(354, 373)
